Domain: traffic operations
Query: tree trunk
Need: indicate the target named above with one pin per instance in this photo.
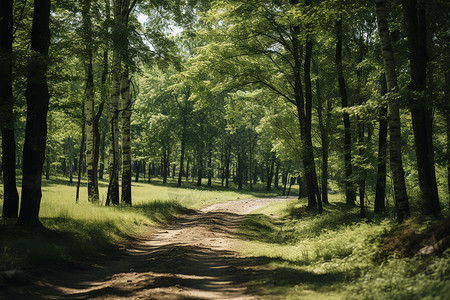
(276, 181)
(350, 195)
(380, 190)
(137, 167)
(97, 149)
(200, 168)
(10, 195)
(81, 161)
(447, 118)
(113, 189)
(270, 177)
(304, 113)
(395, 153)
(183, 142)
(92, 185)
(37, 96)
(71, 158)
(126, 136)
(362, 171)
(421, 113)
(324, 126)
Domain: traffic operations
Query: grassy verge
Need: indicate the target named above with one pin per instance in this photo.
(307, 256)
(83, 232)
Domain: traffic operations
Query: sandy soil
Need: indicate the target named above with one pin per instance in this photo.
(191, 259)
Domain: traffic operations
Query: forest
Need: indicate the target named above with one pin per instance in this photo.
(246, 149)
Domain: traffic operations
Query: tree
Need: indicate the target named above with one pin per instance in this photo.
(421, 111)
(350, 195)
(11, 197)
(37, 106)
(395, 153)
(380, 192)
(89, 111)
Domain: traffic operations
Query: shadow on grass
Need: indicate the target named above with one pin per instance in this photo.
(291, 228)
(167, 268)
(161, 211)
(64, 240)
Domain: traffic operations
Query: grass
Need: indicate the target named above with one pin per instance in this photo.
(78, 232)
(331, 256)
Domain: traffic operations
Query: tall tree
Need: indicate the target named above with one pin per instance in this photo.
(89, 106)
(350, 195)
(126, 106)
(395, 151)
(37, 96)
(415, 23)
(10, 195)
(116, 69)
(380, 189)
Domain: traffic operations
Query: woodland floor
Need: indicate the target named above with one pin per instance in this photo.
(193, 258)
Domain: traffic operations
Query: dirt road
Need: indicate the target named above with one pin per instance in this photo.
(191, 259)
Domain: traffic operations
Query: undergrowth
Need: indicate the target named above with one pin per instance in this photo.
(332, 256)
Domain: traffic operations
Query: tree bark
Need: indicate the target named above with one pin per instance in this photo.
(126, 137)
(83, 130)
(447, 118)
(421, 113)
(113, 189)
(37, 96)
(350, 195)
(324, 126)
(380, 189)
(92, 181)
(304, 114)
(270, 177)
(395, 153)
(10, 195)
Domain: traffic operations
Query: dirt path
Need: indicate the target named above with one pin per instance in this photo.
(190, 259)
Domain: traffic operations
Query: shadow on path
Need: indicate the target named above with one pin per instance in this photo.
(190, 259)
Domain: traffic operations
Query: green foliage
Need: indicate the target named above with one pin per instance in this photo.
(330, 256)
(406, 279)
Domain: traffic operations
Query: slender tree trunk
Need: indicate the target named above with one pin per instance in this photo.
(71, 159)
(126, 137)
(447, 119)
(187, 169)
(350, 195)
(227, 168)
(421, 113)
(362, 172)
(83, 130)
(200, 168)
(183, 142)
(137, 166)
(276, 181)
(97, 149)
(380, 190)
(92, 187)
(285, 179)
(304, 113)
(113, 191)
(395, 153)
(270, 177)
(37, 96)
(210, 172)
(324, 128)
(10, 195)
